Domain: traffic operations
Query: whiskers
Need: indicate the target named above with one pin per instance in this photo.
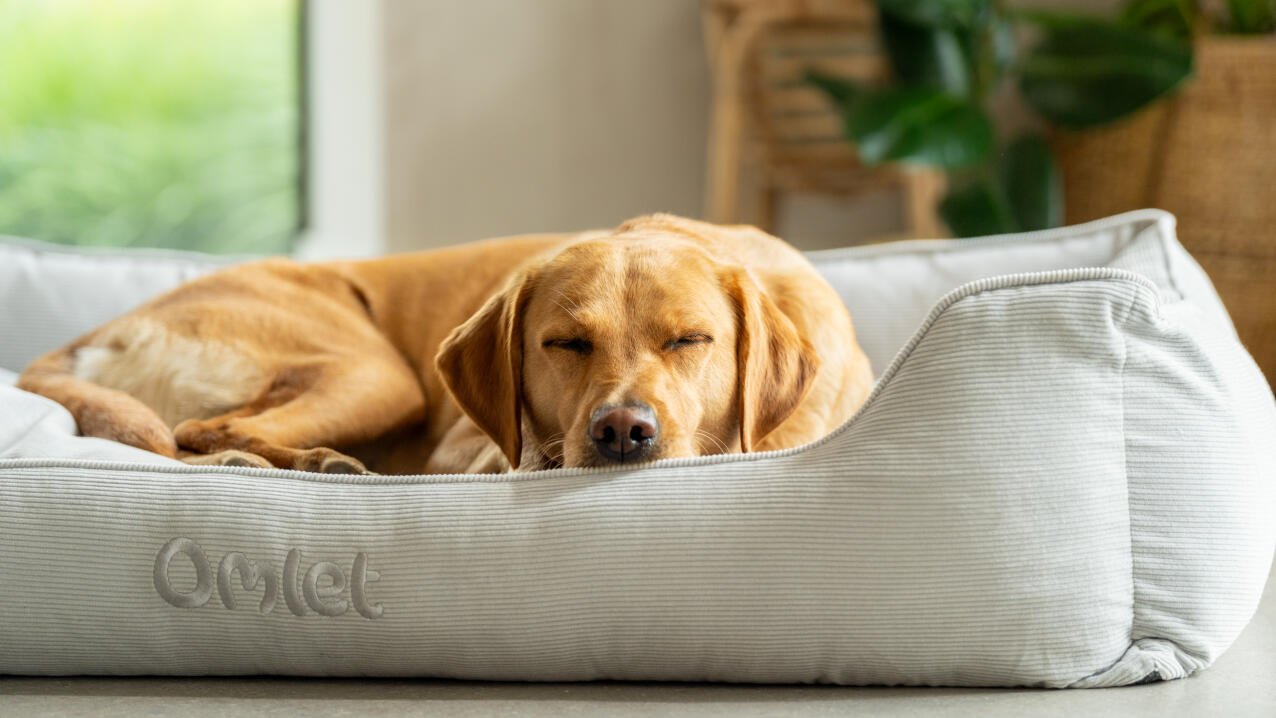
(718, 445)
(550, 451)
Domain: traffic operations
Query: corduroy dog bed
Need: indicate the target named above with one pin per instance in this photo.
(1064, 477)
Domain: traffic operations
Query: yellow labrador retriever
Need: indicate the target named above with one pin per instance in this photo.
(666, 337)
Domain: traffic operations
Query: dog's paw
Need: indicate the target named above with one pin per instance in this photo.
(327, 461)
(200, 436)
(231, 457)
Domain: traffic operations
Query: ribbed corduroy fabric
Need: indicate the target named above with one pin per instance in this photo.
(1064, 477)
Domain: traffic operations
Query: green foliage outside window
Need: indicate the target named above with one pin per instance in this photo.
(157, 123)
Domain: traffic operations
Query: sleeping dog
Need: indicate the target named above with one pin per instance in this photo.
(665, 337)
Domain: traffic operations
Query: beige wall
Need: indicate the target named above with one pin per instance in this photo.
(507, 116)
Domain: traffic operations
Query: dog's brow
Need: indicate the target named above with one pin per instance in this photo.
(571, 311)
(688, 323)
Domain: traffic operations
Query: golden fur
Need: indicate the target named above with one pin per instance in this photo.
(483, 357)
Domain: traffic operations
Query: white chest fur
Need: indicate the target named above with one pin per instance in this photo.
(178, 376)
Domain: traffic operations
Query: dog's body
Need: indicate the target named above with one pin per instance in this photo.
(483, 357)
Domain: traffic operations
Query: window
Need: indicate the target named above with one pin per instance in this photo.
(157, 123)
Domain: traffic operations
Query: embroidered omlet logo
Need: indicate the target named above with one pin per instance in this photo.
(324, 599)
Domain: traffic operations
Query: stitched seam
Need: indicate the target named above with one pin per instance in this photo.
(970, 289)
(1167, 257)
(1125, 466)
(1125, 459)
(938, 246)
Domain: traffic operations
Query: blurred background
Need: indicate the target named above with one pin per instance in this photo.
(151, 123)
(344, 128)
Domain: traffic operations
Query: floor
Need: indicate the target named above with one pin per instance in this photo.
(1241, 684)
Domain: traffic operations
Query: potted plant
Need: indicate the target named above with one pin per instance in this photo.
(947, 57)
(1208, 155)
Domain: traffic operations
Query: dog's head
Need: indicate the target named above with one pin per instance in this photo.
(633, 347)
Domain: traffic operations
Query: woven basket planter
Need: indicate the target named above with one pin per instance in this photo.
(1208, 155)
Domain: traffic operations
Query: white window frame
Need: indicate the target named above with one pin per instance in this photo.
(345, 163)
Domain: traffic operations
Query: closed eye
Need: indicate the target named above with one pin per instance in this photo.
(686, 341)
(578, 345)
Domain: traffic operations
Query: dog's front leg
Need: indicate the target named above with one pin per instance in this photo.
(306, 411)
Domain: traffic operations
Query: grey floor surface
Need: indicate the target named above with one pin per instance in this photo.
(1242, 684)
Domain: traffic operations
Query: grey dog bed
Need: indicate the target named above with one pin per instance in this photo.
(1063, 477)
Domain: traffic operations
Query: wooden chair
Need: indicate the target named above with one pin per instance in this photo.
(766, 116)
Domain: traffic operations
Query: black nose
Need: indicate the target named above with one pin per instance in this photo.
(623, 433)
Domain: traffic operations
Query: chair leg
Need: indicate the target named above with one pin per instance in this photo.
(729, 43)
(923, 190)
(768, 199)
(726, 135)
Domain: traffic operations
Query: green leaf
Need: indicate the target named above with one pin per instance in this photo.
(1087, 71)
(925, 55)
(839, 89)
(920, 126)
(936, 13)
(977, 208)
(1252, 17)
(1169, 19)
(992, 51)
(1033, 189)
(1002, 44)
(1052, 19)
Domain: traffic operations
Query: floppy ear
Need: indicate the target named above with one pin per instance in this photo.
(481, 363)
(775, 366)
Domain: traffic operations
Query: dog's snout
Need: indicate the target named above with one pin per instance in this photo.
(623, 433)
